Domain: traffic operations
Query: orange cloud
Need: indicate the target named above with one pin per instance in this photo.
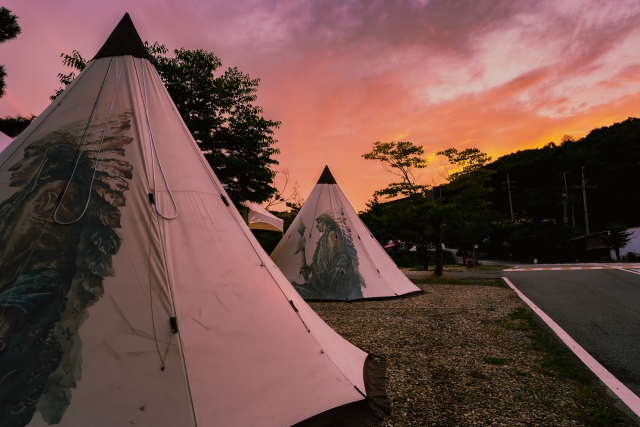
(498, 75)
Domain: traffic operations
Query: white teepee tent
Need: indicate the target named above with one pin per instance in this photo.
(131, 291)
(329, 254)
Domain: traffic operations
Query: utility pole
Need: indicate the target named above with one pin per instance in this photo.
(584, 198)
(565, 199)
(510, 203)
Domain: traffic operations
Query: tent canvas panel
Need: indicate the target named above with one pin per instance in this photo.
(259, 218)
(270, 342)
(377, 256)
(110, 339)
(5, 140)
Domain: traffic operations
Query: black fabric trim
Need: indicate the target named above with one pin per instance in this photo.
(326, 177)
(363, 413)
(407, 295)
(355, 414)
(375, 385)
(124, 40)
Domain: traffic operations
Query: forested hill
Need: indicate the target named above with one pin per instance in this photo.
(611, 160)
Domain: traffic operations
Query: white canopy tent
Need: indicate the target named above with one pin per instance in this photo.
(259, 218)
(329, 254)
(5, 140)
(131, 291)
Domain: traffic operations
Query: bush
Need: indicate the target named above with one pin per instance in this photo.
(630, 257)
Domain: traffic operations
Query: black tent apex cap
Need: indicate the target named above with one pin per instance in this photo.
(326, 177)
(124, 40)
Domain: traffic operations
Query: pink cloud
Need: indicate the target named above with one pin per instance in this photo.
(498, 75)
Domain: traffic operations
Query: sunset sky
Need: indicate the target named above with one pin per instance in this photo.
(496, 75)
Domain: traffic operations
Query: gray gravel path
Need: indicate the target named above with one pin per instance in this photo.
(457, 358)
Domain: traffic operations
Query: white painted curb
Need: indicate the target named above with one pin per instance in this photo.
(620, 390)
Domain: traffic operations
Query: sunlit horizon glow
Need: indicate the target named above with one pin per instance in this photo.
(501, 76)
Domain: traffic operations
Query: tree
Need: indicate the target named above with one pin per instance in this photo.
(280, 197)
(611, 159)
(76, 62)
(9, 30)
(221, 115)
(466, 161)
(401, 159)
(403, 221)
(618, 238)
(463, 208)
(12, 126)
(457, 205)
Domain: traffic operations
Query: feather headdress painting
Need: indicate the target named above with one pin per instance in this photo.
(58, 232)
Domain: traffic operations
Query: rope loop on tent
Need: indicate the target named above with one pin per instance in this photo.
(154, 151)
(83, 144)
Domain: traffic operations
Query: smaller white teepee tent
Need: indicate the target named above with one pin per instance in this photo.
(258, 218)
(329, 254)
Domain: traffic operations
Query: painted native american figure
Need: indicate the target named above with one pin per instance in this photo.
(333, 273)
(57, 237)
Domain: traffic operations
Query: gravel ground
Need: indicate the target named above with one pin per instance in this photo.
(457, 358)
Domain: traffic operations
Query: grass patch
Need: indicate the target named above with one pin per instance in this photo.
(478, 375)
(496, 332)
(492, 267)
(447, 280)
(556, 362)
(545, 395)
(495, 360)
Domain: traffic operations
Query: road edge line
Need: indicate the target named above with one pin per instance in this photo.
(619, 389)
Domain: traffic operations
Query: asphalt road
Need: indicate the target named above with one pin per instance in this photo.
(599, 309)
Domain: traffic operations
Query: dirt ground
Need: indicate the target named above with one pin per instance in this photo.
(471, 355)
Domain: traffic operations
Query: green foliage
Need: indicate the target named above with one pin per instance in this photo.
(401, 159)
(9, 29)
(495, 360)
(630, 257)
(611, 160)
(467, 161)
(76, 62)
(546, 241)
(478, 375)
(220, 113)
(13, 126)
(421, 219)
(557, 362)
(269, 239)
(618, 238)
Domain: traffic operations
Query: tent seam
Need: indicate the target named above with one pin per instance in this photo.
(169, 286)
